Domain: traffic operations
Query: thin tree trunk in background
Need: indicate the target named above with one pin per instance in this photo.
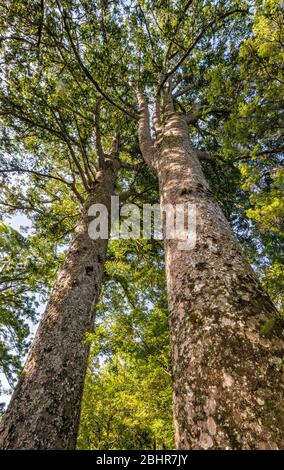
(45, 407)
(227, 340)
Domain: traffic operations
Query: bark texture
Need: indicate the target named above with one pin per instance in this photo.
(45, 407)
(227, 336)
(227, 380)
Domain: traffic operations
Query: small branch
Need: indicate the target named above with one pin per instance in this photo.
(151, 42)
(203, 156)
(157, 110)
(90, 175)
(129, 166)
(76, 192)
(99, 148)
(20, 207)
(115, 148)
(33, 172)
(169, 105)
(132, 192)
(182, 91)
(30, 121)
(180, 20)
(157, 113)
(193, 116)
(145, 139)
(279, 150)
(182, 108)
(71, 150)
(72, 185)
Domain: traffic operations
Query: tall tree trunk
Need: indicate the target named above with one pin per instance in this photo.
(45, 407)
(226, 334)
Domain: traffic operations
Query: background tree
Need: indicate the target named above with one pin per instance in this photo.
(129, 375)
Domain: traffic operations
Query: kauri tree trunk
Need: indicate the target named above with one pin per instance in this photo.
(45, 407)
(226, 336)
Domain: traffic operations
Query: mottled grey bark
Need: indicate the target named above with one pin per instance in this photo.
(45, 407)
(227, 338)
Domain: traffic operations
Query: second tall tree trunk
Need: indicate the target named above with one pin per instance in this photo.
(226, 335)
(45, 407)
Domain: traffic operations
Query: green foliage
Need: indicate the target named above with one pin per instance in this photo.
(267, 327)
(27, 269)
(268, 203)
(129, 370)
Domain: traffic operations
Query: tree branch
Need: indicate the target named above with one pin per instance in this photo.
(88, 73)
(180, 20)
(203, 156)
(88, 170)
(129, 166)
(195, 114)
(71, 150)
(197, 39)
(144, 134)
(72, 185)
(98, 142)
(34, 172)
(182, 91)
